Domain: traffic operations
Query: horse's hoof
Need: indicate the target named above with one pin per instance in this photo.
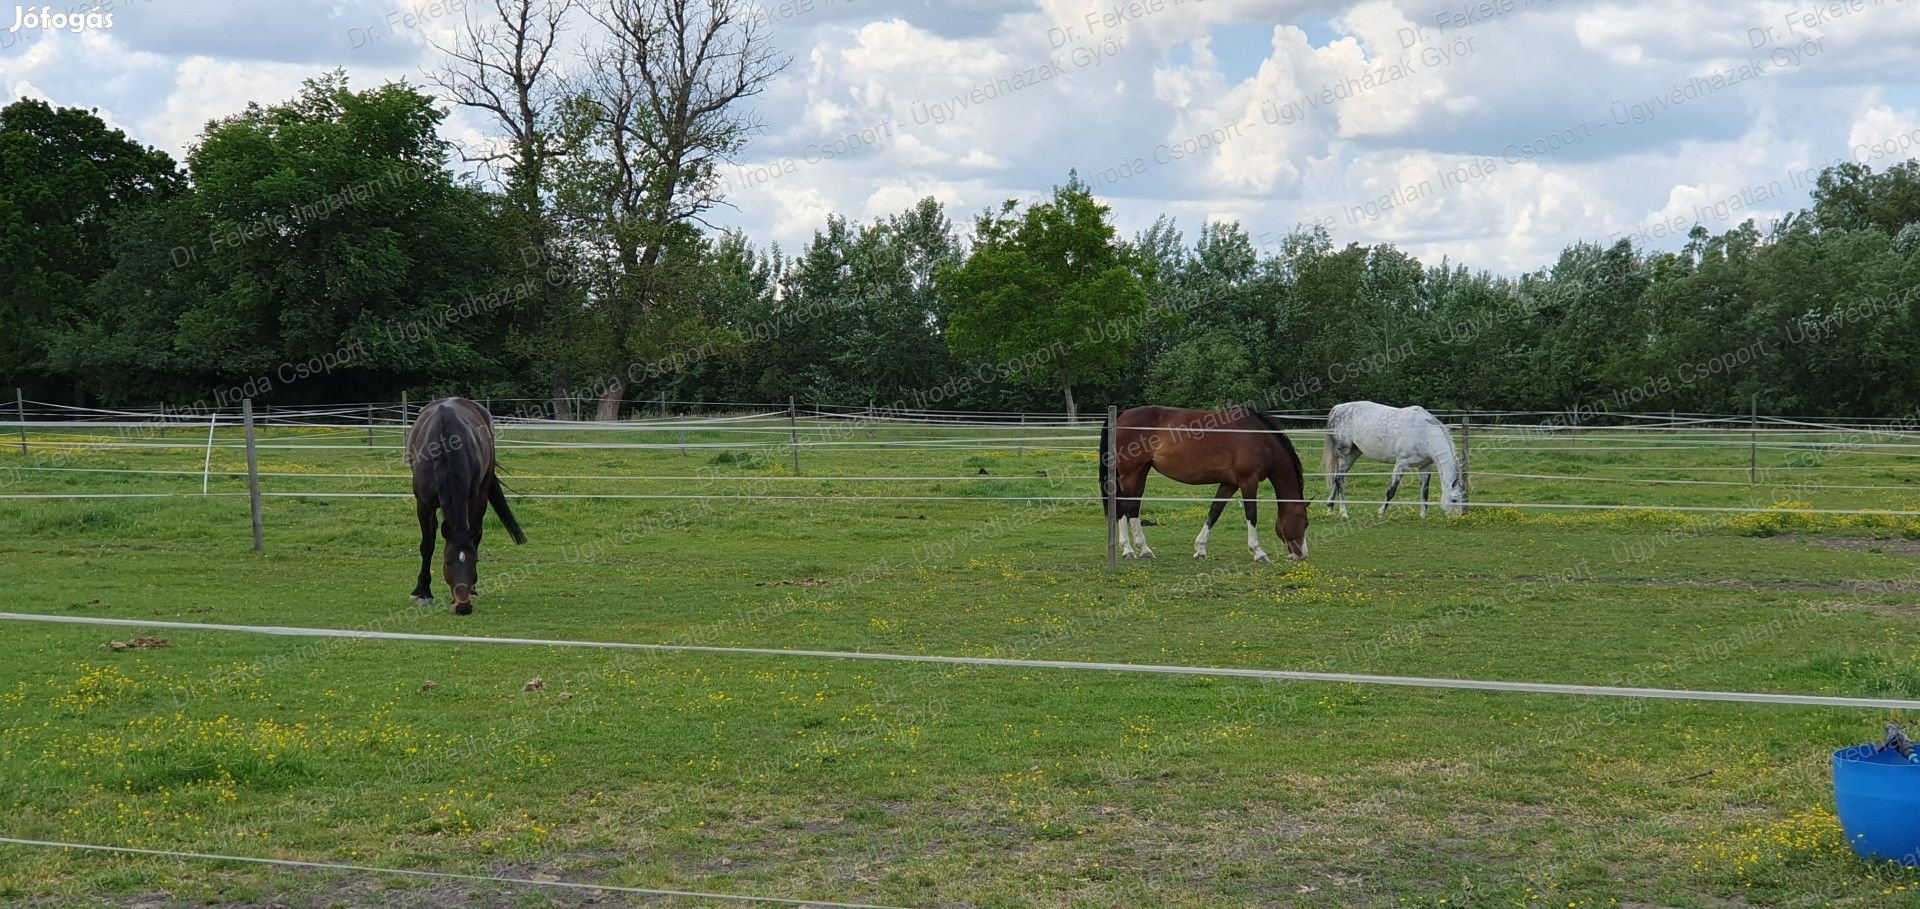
(1146, 553)
(422, 601)
(1200, 555)
(1261, 557)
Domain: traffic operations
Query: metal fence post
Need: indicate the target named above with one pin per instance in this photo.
(253, 475)
(20, 409)
(1753, 445)
(206, 467)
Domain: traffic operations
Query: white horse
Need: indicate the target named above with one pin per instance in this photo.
(1407, 437)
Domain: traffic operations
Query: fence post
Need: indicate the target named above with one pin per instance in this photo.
(253, 475)
(405, 423)
(1753, 444)
(369, 425)
(793, 432)
(1466, 463)
(20, 409)
(1022, 452)
(206, 467)
(1110, 468)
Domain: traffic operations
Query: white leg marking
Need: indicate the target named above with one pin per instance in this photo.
(1140, 537)
(1253, 543)
(1200, 542)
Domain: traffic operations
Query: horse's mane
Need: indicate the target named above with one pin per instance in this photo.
(1285, 442)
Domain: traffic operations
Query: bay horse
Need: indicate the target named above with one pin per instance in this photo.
(1409, 438)
(1237, 448)
(450, 450)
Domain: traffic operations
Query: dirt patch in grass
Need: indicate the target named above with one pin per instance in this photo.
(138, 642)
(1854, 544)
(1711, 583)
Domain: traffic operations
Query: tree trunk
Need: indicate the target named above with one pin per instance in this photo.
(562, 396)
(1066, 388)
(611, 399)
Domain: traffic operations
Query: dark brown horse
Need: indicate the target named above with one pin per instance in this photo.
(1236, 448)
(450, 448)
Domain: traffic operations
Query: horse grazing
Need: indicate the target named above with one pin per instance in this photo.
(450, 449)
(1236, 448)
(1408, 437)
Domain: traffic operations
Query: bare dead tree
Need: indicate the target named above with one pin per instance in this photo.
(668, 90)
(502, 63)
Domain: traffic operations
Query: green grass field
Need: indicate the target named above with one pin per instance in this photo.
(949, 786)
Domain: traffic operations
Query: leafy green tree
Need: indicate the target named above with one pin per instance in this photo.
(324, 245)
(65, 178)
(1850, 196)
(1047, 294)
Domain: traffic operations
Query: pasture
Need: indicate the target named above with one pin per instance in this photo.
(804, 778)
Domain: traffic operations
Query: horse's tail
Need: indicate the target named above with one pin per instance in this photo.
(1106, 472)
(1328, 455)
(498, 496)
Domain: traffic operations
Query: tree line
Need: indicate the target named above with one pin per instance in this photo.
(327, 248)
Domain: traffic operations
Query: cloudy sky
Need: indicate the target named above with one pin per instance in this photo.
(1490, 131)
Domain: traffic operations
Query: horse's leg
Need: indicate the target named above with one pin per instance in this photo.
(1426, 477)
(1132, 511)
(1132, 486)
(1348, 455)
(479, 530)
(1336, 458)
(423, 589)
(1220, 500)
(1250, 497)
(1393, 485)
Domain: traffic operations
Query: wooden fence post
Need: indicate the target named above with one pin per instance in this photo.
(793, 432)
(1466, 463)
(405, 423)
(253, 475)
(20, 409)
(1110, 468)
(369, 425)
(1022, 452)
(1753, 445)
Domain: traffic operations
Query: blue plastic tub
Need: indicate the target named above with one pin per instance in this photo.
(1877, 795)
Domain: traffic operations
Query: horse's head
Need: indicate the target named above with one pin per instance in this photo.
(1453, 500)
(461, 569)
(1292, 529)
